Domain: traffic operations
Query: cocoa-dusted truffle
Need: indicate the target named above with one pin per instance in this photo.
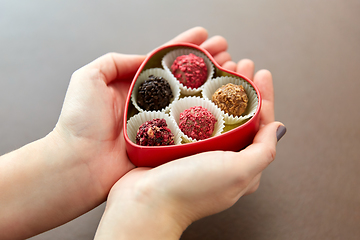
(190, 70)
(231, 98)
(197, 122)
(154, 133)
(154, 94)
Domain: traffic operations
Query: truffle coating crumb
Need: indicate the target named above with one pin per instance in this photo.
(231, 98)
(197, 122)
(154, 133)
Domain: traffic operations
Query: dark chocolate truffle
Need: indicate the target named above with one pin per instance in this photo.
(190, 70)
(231, 98)
(197, 122)
(154, 94)
(154, 133)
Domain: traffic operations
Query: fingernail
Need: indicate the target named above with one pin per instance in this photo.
(280, 132)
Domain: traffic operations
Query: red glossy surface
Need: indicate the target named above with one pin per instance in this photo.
(232, 140)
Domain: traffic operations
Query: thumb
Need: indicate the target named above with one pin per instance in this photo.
(116, 66)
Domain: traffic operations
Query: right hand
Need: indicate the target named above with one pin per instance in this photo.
(187, 189)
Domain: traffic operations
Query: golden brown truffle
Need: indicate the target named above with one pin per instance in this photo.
(231, 98)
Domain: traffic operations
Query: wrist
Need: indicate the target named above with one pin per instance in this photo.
(137, 214)
(62, 139)
(71, 175)
(75, 157)
(137, 222)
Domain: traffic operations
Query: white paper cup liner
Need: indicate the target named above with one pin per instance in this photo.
(157, 72)
(187, 102)
(170, 57)
(135, 122)
(211, 86)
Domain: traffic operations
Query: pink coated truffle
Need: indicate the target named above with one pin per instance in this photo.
(154, 133)
(197, 122)
(190, 70)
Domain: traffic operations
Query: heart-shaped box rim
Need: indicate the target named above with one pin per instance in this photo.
(217, 69)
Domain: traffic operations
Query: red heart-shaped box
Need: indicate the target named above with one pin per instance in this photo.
(234, 139)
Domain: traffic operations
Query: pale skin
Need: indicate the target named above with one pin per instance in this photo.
(83, 161)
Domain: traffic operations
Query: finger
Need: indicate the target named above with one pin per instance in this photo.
(196, 35)
(255, 158)
(246, 67)
(222, 58)
(215, 45)
(230, 65)
(113, 66)
(263, 80)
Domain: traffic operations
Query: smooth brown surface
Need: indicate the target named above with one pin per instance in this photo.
(312, 48)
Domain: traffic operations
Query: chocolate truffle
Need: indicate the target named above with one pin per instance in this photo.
(190, 70)
(197, 122)
(154, 94)
(154, 133)
(231, 98)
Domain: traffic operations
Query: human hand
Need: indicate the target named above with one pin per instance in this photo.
(185, 190)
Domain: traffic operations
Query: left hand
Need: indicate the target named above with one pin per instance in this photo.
(91, 118)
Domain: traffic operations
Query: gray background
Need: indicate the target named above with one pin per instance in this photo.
(311, 47)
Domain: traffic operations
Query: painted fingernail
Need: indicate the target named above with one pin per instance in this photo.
(280, 132)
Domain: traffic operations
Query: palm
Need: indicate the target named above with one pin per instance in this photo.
(94, 119)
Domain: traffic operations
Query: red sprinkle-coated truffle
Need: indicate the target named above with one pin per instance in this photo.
(197, 122)
(190, 70)
(154, 133)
